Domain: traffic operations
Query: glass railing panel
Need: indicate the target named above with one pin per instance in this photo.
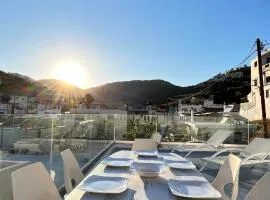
(24, 139)
(85, 135)
(120, 126)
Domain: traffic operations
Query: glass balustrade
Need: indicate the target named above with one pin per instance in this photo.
(26, 139)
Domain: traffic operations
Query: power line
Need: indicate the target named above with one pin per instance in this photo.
(244, 60)
(241, 63)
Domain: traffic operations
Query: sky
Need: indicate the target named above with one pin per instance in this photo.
(180, 41)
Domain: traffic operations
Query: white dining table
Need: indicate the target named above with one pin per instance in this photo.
(139, 188)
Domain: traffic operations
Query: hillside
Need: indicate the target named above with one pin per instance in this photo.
(229, 87)
(61, 88)
(13, 83)
(135, 92)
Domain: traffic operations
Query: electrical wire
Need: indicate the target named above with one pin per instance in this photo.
(241, 63)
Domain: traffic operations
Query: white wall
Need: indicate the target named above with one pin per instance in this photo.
(252, 109)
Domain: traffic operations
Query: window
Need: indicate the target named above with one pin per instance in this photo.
(267, 93)
(255, 64)
(255, 82)
(268, 60)
(267, 79)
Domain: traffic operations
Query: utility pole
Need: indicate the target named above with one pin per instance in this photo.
(259, 48)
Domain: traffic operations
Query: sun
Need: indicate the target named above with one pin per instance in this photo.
(71, 72)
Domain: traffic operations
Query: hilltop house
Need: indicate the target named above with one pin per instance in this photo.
(208, 106)
(252, 109)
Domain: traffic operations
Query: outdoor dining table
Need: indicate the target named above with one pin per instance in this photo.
(139, 188)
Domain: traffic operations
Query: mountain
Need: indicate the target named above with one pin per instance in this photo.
(60, 89)
(16, 84)
(60, 86)
(229, 87)
(20, 85)
(134, 92)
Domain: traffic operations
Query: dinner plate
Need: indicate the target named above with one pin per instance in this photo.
(181, 165)
(122, 154)
(193, 189)
(104, 184)
(119, 162)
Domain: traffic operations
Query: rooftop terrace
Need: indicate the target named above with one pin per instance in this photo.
(27, 139)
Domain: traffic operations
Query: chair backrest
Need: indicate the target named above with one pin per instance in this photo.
(72, 172)
(33, 182)
(219, 137)
(257, 145)
(228, 173)
(260, 189)
(144, 144)
(156, 137)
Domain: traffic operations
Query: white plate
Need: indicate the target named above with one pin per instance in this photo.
(119, 162)
(181, 165)
(150, 169)
(122, 154)
(147, 153)
(104, 184)
(193, 189)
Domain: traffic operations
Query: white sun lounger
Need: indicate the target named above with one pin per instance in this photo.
(260, 189)
(215, 141)
(255, 153)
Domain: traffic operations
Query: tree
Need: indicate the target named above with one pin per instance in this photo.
(87, 100)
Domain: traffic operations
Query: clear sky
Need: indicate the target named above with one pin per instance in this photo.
(183, 42)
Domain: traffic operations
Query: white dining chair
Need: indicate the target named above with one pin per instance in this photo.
(144, 144)
(228, 174)
(260, 189)
(72, 172)
(33, 182)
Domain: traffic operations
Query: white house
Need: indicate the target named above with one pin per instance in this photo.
(209, 103)
(252, 109)
(186, 108)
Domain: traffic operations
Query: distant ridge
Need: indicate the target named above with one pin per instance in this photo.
(229, 87)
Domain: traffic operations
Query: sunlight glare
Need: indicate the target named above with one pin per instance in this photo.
(71, 72)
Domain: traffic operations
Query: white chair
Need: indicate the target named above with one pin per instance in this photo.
(254, 153)
(260, 190)
(72, 172)
(228, 173)
(144, 144)
(33, 182)
(215, 141)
